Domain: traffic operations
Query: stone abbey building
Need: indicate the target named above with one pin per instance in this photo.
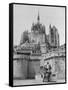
(36, 48)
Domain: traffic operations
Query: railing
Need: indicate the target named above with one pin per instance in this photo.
(19, 54)
(54, 54)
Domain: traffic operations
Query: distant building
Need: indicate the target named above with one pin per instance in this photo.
(53, 36)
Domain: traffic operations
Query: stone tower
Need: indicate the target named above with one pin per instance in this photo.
(53, 36)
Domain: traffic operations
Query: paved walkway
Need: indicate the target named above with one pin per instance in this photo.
(32, 82)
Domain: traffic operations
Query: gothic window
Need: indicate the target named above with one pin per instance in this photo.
(52, 36)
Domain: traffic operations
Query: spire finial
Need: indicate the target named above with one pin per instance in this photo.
(38, 18)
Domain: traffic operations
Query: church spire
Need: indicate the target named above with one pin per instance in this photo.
(38, 18)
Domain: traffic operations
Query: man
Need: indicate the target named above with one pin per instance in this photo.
(47, 71)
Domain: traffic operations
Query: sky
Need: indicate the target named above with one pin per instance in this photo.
(25, 15)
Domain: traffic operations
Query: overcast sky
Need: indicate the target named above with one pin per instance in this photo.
(25, 15)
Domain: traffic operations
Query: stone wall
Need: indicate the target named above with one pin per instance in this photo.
(24, 69)
(34, 68)
(20, 69)
(58, 66)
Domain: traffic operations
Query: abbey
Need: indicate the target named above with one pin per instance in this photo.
(36, 48)
(38, 34)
